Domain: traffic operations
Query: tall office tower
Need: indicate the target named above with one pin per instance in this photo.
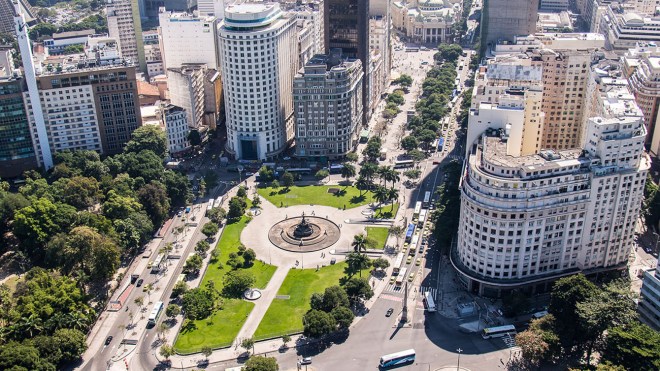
(504, 19)
(529, 220)
(186, 86)
(39, 127)
(124, 25)
(258, 59)
(347, 27)
(327, 100)
(16, 150)
(187, 38)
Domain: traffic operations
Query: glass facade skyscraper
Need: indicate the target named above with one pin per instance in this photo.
(16, 149)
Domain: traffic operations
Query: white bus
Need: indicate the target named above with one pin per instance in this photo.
(418, 209)
(155, 313)
(430, 303)
(422, 218)
(209, 206)
(413, 244)
(401, 276)
(218, 202)
(427, 199)
(498, 332)
(398, 358)
(397, 264)
(156, 264)
(403, 164)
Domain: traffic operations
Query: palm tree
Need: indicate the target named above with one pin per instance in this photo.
(381, 194)
(382, 170)
(347, 170)
(362, 183)
(388, 174)
(369, 170)
(358, 262)
(392, 195)
(359, 243)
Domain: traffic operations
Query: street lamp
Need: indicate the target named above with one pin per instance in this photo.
(458, 364)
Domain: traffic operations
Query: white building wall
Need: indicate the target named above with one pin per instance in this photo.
(188, 39)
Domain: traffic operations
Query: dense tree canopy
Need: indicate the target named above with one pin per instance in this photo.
(148, 137)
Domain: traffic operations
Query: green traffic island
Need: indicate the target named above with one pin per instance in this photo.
(231, 270)
(338, 196)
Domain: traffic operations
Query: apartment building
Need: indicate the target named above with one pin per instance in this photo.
(649, 301)
(187, 38)
(327, 95)
(124, 25)
(645, 84)
(16, 150)
(554, 5)
(153, 53)
(258, 59)
(186, 87)
(504, 19)
(177, 129)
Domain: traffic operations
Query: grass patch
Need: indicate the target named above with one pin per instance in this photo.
(386, 212)
(317, 195)
(379, 235)
(222, 327)
(284, 316)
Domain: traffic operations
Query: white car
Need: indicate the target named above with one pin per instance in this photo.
(306, 361)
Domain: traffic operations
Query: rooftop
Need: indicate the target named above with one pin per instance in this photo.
(495, 149)
(71, 34)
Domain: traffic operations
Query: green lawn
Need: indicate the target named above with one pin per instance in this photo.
(317, 195)
(379, 234)
(221, 328)
(386, 212)
(284, 316)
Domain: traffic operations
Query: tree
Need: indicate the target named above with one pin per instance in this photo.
(207, 351)
(358, 289)
(210, 229)
(369, 171)
(202, 247)
(236, 282)
(450, 52)
(217, 215)
(178, 188)
(318, 324)
(256, 201)
(179, 289)
(334, 297)
(247, 344)
(117, 206)
(515, 303)
(275, 184)
(357, 262)
(397, 231)
(381, 194)
(392, 195)
(287, 180)
(193, 264)
(265, 174)
(145, 164)
(166, 351)
(566, 294)
(236, 208)
(403, 80)
(80, 192)
(248, 257)
(322, 174)
(347, 171)
(380, 263)
(285, 340)
(352, 157)
(532, 346)
(172, 311)
(416, 155)
(396, 97)
(260, 363)
(426, 137)
(409, 143)
(19, 357)
(155, 201)
(148, 137)
(635, 345)
(372, 151)
(343, 316)
(412, 173)
(71, 343)
(359, 243)
(197, 304)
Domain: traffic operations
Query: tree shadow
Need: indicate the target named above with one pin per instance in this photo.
(357, 199)
(188, 326)
(284, 191)
(339, 193)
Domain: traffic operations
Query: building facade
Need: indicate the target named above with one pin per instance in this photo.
(649, 301)
(623, 29)
(645, 84)
(16, 150)
(186, 87)
(258, 59)
(187, 38)
(124, 25)
(504, 19)
(327, 95)
(175, 120)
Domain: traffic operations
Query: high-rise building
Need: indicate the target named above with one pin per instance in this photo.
(347, 28)
(186, 86)
(7, 13)
(258, 59)
(153, 55)
(124, 25)
(649, 300)
(504, 19)
(645, 84)
(187, 38)
(175, 121)
(16, 149)
(327, 96)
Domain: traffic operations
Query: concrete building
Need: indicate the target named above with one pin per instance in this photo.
(187, 38)
(16, 149)
(177, 129)
(504, 19)
(555, 22)
(645, 84)
(124, 25)
(327, 95)
(380, 44)
(152, 53)
(59, 42)
(258, 88)
(215, 8)
(7, 13)
(624, 29)
(426, 21)
(554, 5)
(7, 61)
(310, 24)
(186, 87)
(529, 220)
(649, 301)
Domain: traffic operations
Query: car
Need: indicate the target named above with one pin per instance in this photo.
(306, 361)
(287, 158)
(180, 213)
(150, 264)
(108, 340)
(249, 174)
(419, 261)
(139, 282)
(411, 277)
(409, 259)
(389, 312)
(392, 279)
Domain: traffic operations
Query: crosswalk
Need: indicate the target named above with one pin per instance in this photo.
(432, 290)
(509, 341)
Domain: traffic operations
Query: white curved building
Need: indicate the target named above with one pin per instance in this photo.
(527, 220)
(258, 58)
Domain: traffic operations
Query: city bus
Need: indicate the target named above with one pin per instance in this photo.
(218, 202)
(401, 276)
(398, 358)
(430, 303)
(418, 209)
(400, 164)
(336, 168)
(427, 199)
(441, 143)
(155, 313)
(156, 264)
(413, 244)
(397, 264)
(300, 170)
(422, 218)
(410, 232)
(209, 206)
(498, 332)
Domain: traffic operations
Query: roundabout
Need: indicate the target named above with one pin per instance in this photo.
(304, 234)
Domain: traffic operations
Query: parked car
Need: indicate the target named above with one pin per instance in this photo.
(306, 361)
(108, 340)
